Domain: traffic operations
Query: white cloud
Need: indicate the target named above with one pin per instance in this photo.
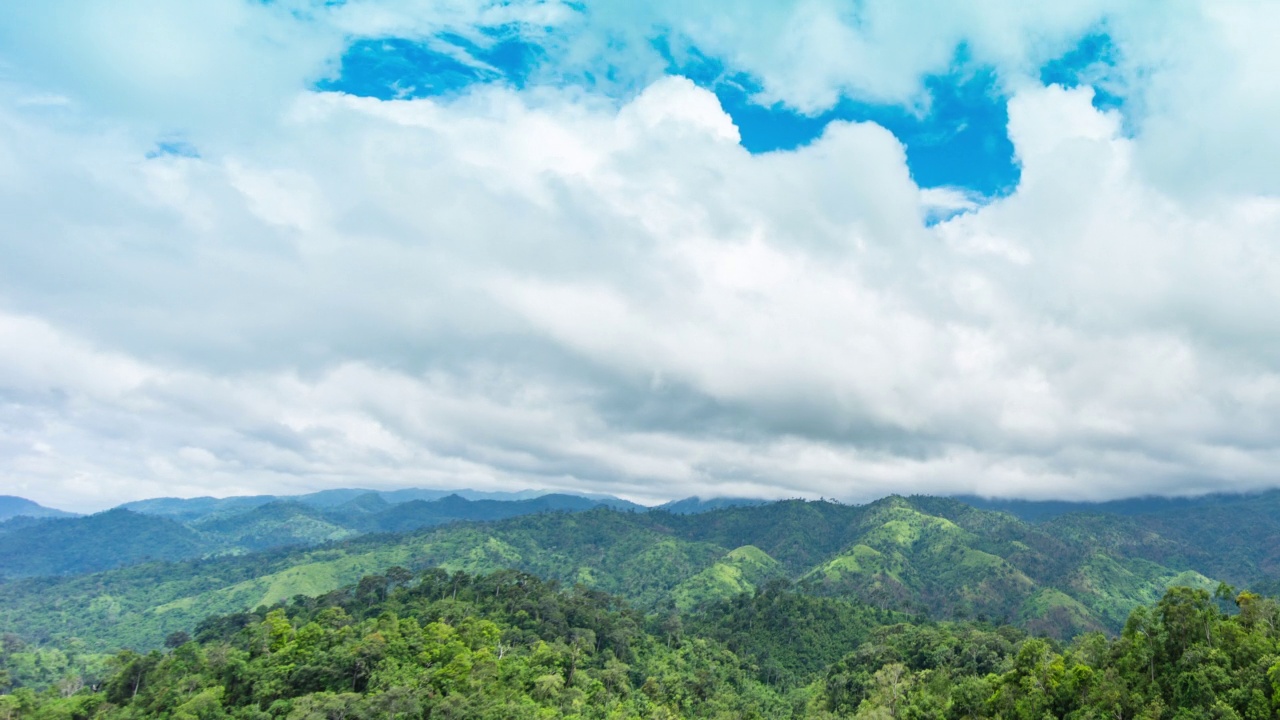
(555, 288)
(217, 67)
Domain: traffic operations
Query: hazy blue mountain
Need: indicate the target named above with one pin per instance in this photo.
(110, 539)
(339, 500)
(417, 514)
(12, 506)
(175, 528)
(407, 494)
(276, 524)
(616, 503)
(328, 498)
(695, 505)
(370, 502)
(187, 509)
(1040, 510)
(21, 522)
(340, 496)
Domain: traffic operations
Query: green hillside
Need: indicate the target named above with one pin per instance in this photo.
(271, 525)
(60, 546)
(1236, 539)
(741, 570)
(917, 555)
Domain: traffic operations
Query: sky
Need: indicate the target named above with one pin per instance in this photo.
(654, 249)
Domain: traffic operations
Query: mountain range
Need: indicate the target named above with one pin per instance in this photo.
(127, 578)
(50, 542)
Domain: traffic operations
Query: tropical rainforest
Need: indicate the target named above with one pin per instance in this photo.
(364, 606)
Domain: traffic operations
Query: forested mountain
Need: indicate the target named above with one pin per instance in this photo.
(96, 542)
(188, 509)
(422, 513)
(12, 506)
(917, 555)
(1039, 510)
(274, 524)
(558, 605)
(1203, 534)
(695, 505)
(20, 522)
(171, 529)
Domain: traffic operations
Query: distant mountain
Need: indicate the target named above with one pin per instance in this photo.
(417, 514)
(695, 505)
(177, 528)
(189, 509)
(12, 506)
(92, 543)
(407, 494)
(335, 498)
(186, 509)
(1040, 510)
(1232, 537)
(365, 504)
(275, 524)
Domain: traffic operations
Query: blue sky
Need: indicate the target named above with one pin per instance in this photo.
(821, 248)
(954, 133)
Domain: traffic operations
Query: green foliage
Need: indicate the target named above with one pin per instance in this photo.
(1182, 659)
(443, 644)
(505, 645)
(789, 637)
(68, 668)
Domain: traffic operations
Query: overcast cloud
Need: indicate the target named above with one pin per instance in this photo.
(215, 279)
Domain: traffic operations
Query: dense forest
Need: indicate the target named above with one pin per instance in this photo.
(509, 645)
(573, 607)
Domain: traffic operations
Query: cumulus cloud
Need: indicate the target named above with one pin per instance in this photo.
(569, 288)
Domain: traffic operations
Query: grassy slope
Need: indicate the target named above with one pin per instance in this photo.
(741, 570)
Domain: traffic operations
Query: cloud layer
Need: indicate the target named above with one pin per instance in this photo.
(593, 286)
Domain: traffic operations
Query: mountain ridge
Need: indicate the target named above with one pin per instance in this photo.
(904, 554)
(12, 506)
